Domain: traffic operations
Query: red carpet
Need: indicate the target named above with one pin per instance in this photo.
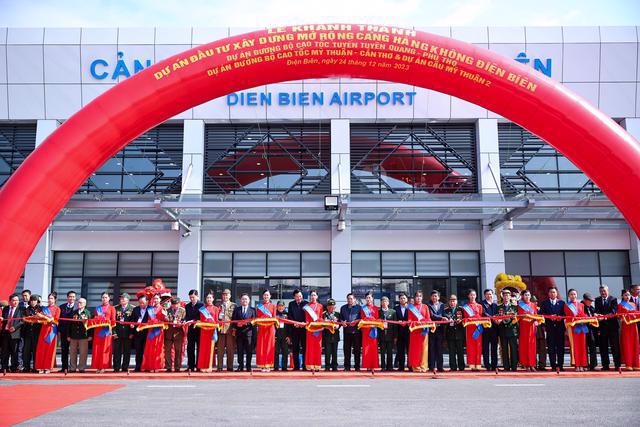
(24, 401)
(290, 375)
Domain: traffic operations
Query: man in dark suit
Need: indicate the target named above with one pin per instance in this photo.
(402, 341)
(555, 328)
(592, 334)
(297, 335)
(192, 310)
(66, 312)
(387, 336)
(490, 335)
(436, 311)
(609, 328)
(10, 335)
(140, 316)
(349, 313)
(244, 332)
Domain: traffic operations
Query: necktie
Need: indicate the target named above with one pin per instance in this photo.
(9, 318)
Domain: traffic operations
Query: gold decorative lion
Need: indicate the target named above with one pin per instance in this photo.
(514, 283)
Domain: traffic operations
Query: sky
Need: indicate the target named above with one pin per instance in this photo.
(269, 13)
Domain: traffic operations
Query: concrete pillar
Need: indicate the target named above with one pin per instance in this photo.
(492, 242)
(340, 184)
(632, 125)
(37, 272)
(340, 157)
(193, 157)
(190, 247)
(488, 156)
(189, 262)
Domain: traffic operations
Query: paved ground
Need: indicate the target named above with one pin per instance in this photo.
(367, 401)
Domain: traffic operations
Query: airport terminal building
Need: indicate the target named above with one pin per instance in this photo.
(340, 185)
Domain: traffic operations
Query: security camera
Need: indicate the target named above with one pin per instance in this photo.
(186, 234)
(342, 224)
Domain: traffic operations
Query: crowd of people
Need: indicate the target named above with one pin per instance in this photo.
(414, 334)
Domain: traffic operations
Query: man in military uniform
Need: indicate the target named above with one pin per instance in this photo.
(174, 336)
(122, 334)
(226, 336)
(592, 335)
(331, 340)
(282, 340)
(508, 332)
(79, 338)
(455, 334)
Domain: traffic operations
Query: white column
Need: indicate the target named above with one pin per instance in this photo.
(189, 262)
(492, 244)
(632, 125)
(488, 156)
(340, 184)
(37, 272)
(340, 157)
(193, 157)
(190, 247)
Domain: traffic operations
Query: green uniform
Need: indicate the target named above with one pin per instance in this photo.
(508, 333)
(456, 338)
(386, 339)
(330, 341)
(122, 344)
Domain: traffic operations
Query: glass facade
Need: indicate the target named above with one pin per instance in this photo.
(17, 141)
(389, 273)
(91, 273)
(584, 271)
(530, 165)
(413, 158)
(150, 164)
(280, 272)
(267, 159)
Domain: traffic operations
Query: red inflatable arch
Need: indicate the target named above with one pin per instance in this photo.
(44, 183)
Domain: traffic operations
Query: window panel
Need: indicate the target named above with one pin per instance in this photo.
(614, 263)
(582, 263)
(397, 264)
(67, 264)
(517, 263)
(365, 264)
(316, 263)
(283, 264)
(547, 263)
(134, 264)
(217, 264)
(165, 264)
(100, 263)
(465, 264)
(249, 264)
(432, 263)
